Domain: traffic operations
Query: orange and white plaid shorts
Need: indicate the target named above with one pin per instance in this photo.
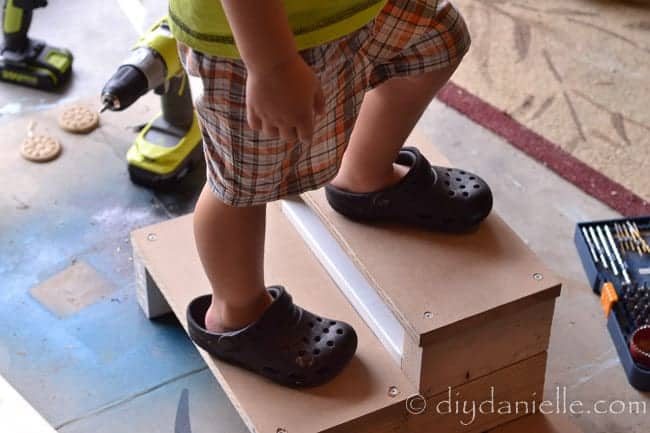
(244, 168)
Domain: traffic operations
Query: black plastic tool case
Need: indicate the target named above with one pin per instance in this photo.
(619, 323)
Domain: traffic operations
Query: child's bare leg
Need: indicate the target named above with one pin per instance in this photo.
(230, 242)
(387, 116)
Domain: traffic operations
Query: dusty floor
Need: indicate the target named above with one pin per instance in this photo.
(576, 72)
(106, 368)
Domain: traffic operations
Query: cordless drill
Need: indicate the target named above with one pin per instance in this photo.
(167, 147)
(26, 61)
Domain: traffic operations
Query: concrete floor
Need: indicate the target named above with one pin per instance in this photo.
(107, 368)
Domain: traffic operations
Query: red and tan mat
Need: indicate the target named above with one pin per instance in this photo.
(568, 82)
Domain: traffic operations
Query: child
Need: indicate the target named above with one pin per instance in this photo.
(289, 86)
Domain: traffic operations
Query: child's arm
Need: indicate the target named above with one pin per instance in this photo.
(282, 92)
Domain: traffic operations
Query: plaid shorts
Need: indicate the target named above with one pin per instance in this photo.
(244, 168)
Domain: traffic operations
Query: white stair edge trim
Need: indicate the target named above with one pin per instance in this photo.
(351, 282)
(17, 415)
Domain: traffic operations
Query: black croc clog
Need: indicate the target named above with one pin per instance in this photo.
(431, 197)
(288, 344)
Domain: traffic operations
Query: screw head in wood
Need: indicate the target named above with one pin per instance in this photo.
(538, 277)
(428, 315)
(393, 391)
(152, 237)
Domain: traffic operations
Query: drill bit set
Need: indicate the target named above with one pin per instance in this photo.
(616, 257)
(605, 251)
(630, 238)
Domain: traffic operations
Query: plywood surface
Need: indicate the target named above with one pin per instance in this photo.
(454, 277)
(521, 382)
(265, 407)
(466, 408)
(478, 351)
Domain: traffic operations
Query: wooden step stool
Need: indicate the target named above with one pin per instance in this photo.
(441, 319)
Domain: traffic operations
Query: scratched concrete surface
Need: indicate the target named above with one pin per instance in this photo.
(106, 368)
(82, 207)
(191, 404)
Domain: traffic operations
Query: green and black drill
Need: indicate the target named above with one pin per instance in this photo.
(168, 146)
(26, 61)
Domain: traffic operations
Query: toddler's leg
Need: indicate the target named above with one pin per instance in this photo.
(230, 242)
(381, 130)
(413, 47)
(243, 322)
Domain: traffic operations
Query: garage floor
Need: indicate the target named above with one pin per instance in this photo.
(105, 367)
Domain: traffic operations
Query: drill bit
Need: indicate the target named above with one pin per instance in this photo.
(638, 239)
(590, 245)
(594, 239)
(617, 255)
(630, 237)
(632, 231)
(601, 236)
(644, 244)
(620, 237)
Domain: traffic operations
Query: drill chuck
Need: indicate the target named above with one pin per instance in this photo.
(144, 70)
(124, 88)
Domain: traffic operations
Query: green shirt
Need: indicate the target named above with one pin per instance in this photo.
(202, 24)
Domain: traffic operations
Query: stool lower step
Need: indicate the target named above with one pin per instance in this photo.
(167, 254)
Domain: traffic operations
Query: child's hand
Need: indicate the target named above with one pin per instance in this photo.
(284, 100)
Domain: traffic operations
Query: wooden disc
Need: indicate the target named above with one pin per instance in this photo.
(40, 148)
(78, 119)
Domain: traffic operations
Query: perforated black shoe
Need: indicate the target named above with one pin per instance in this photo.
(435, 198)
(288, 344)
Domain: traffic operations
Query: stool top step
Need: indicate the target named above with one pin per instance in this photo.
(361, 390)
(436, 282)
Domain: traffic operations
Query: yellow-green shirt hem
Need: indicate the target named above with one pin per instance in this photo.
(304, 38)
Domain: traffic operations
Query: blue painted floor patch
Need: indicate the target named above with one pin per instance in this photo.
(83, 208)
(105, 368)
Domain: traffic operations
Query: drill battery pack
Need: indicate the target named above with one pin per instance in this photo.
(616, 258)
(162, 154)
(40, 66)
